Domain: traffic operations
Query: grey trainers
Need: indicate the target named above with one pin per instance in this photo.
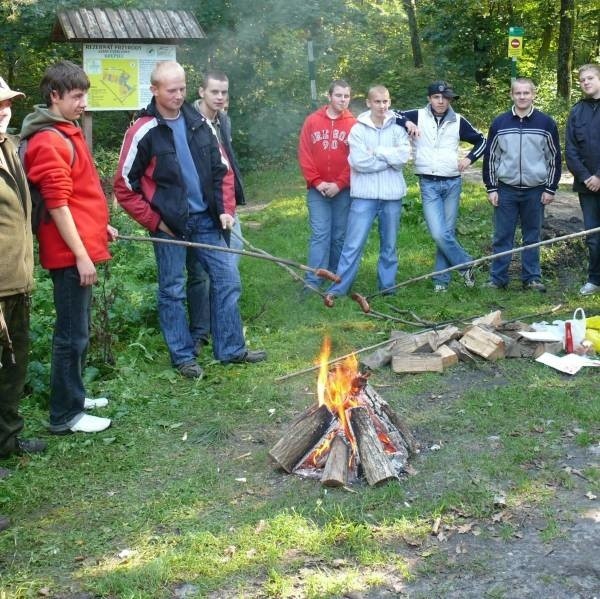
(492, 285)
(534, 285)
(190, 370)
(468, 277)
(440, 288)
(589, 289)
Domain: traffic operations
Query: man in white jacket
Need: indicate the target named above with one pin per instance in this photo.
(439, 169)
(379, 148)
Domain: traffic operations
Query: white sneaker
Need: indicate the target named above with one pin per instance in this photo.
(90, 424)
(89, 403)
(589, 289)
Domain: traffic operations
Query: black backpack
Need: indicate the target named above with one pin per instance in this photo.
(39, 213)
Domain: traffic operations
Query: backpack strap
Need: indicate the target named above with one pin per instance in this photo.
(23, 145)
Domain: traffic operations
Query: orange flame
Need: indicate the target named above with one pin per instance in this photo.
(335, 388)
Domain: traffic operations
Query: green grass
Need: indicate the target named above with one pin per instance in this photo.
(183, 481)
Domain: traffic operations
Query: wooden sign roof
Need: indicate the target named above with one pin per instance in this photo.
(122, 25)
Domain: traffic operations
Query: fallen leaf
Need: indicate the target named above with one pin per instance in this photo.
(500, 500)
(262, 525)
(498, 517)
(436, 525)
(435, 447)
(230, 550)
(184, 438)
(591, 496)
(251, 553)
(44, 592)
(126, 553)
(464, 528)
(476, 532)
(460, 548)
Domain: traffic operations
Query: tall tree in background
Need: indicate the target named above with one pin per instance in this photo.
(415, 41)
(565, 49)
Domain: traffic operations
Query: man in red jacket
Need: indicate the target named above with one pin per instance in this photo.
(323, 158)
(72, 241)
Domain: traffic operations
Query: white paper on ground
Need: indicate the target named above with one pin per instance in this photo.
(541, 335)
(569, 364)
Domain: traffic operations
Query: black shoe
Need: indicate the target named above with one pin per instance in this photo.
(535, 285)
(4, 523)
(30, 446)
(248, 357)
(200, 345)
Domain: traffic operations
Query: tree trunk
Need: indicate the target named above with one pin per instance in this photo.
(415, 42)
(565, 49)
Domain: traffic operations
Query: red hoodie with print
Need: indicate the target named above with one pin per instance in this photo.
(323, 148)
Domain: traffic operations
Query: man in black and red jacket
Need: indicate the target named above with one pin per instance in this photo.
(172, 179)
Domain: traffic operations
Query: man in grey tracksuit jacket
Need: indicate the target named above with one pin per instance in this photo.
(379, 148)
(521, 171)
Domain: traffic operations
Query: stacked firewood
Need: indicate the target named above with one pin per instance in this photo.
(487, 337)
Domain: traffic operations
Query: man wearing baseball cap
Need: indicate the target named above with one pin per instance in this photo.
(439, 170)
(16, 284)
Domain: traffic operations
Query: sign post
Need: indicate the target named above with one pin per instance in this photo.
(515, 47)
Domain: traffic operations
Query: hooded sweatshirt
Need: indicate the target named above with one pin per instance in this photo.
(377, 155)
(323, 148)
(65, 181)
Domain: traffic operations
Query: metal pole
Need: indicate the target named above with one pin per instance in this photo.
(312, 73)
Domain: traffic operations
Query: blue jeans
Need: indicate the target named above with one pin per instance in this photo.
(440, 208)
(590, 207)
(514, 204)
(72, 304)
(198, 290)
(225, 289)
(361, 217)
(327, 218)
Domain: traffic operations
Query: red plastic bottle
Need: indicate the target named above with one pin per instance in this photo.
(568, 338)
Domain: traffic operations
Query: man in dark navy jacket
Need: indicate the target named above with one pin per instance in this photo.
(583, 160)
(172, 179)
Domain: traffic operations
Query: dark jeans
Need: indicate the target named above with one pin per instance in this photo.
(12, 375)
(516, 204)
(198, 289)
(72, 304)
(590, 206)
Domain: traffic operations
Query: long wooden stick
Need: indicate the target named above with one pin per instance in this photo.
(285, 267)
(477, 261)
(320, 272)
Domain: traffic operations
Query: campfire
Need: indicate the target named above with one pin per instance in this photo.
(350, 433)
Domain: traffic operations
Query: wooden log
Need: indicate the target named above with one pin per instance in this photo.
(464, 355)
(375, 464)
(449, 356)
(301, 437)
(442, 336)
(493, 319)
(417, 362)
(335, 473)
(484, 343)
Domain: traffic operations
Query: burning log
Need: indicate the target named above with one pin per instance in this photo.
(375, 464)
(301, 437)
(335, 473)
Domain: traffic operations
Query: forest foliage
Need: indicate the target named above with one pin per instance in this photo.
(262, 46)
